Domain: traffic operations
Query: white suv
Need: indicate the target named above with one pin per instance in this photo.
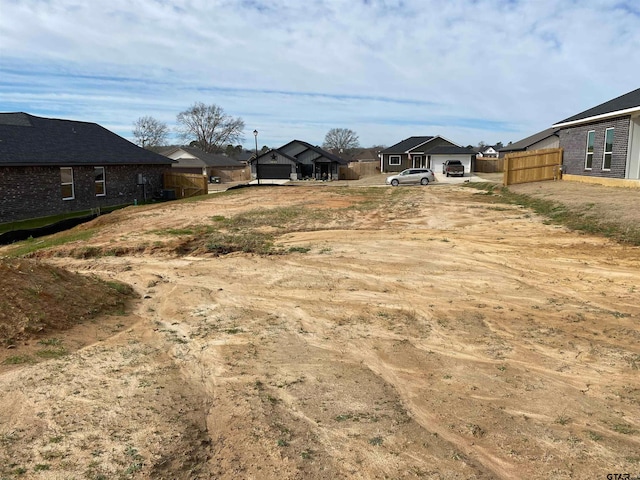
(412, 175)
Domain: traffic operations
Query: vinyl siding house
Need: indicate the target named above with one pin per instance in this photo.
(53, 166)
(424, 152)
(487, 152)
(296, 160)
(545, 139)
(604, 141)
(194, 160)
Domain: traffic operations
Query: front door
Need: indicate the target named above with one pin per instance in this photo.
(419, 161)
(323, 171)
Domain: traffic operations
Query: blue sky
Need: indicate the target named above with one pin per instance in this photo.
(469, 70)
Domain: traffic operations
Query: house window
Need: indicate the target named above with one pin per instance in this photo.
(608, 148)
(394, 159)
(591, 136)
(66, 182)
(99, 181)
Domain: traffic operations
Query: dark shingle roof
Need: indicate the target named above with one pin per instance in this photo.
(406, 144)
(211, 159)
(244, 156)
(324, 153)
(527, 142)
(320, 151)
(27, 140)
(366, 155)
(623, 102)
(272, 152)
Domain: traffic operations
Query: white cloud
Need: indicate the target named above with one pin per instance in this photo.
(471, 70)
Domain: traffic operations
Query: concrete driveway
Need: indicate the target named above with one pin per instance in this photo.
(443, 179)
(369, 181)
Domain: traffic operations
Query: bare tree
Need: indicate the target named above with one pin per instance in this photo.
(150, 132)
(341, 139)
(211, 127)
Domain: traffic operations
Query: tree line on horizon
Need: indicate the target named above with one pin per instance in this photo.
(209, 128)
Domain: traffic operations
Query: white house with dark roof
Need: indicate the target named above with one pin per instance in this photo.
(423, 152)
(488, 151)
(604, 141)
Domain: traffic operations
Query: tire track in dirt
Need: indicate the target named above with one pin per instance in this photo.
(462, 342)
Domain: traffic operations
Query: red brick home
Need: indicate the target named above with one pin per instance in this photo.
(52, 166)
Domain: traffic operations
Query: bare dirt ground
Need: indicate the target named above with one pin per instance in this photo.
(402, 333)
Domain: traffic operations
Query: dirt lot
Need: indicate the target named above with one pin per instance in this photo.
(399, 333)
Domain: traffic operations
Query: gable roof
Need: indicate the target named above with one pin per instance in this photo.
(407, 144)
(324, 153)
(527, 142)
(270, 153)
(320, 151)
(27, 140)
(622, 105)
(412, 143)
(204, 158)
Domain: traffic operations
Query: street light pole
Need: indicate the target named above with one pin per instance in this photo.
(255, 134)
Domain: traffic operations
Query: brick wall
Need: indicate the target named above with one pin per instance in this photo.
(574, 142)
(31, 192)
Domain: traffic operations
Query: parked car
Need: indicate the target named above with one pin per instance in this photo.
(412, 175)
(453, 167)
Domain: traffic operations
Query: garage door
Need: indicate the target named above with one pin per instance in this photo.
(275, 171)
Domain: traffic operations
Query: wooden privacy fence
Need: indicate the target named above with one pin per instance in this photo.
(232, 175)
(533, 166)
(185, 184)
(489, 165)
(357, 170)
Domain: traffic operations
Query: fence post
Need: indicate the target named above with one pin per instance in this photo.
(505, 177)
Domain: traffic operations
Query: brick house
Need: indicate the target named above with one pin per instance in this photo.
(52, 166)
(604, 141)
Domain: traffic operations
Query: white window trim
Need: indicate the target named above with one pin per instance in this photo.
(421, 157)
(604, 147)
(586, 155)
(103, 181)
(395, 156)
(73, 189)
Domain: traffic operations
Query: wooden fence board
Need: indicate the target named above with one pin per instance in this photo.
(229, 175)
(185, 184)
(532, 166)
(489, 165)
(357, 170)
